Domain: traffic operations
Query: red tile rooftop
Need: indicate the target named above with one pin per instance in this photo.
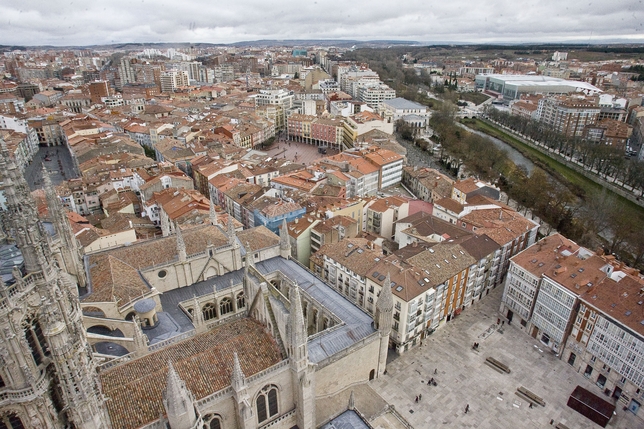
(204, 362)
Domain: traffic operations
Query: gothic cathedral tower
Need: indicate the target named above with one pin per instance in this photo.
(47, 376)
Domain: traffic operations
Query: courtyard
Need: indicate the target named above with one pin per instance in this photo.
(465, 380)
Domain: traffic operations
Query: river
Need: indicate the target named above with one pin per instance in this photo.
(514, 155)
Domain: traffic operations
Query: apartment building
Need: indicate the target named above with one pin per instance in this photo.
(332, 231)
(375, 93)
(171, 80)
(299, 232)
(607, 338)
(568, 115)
(389, 163)
(381, 215)
(427, 184)
(586, 308)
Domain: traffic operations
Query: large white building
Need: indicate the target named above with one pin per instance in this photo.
(171, 80)
(414, 114)
(512, 87)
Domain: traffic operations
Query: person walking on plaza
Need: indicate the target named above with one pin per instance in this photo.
(467, 408)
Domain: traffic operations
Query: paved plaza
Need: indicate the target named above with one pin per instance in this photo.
(464, 378)
(301, 153)
(57, 161)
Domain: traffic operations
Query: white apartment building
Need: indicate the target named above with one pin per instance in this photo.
(607, 339)
(171, 80)
(375, 93)
(552, 313)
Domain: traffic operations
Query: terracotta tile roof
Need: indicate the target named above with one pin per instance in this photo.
(203, 362)
(406, 279)
(620, 300)
(353, 253)
(114, 279)
(381, 205)
(467, 185)
(442, 262)
(258, 238)
(450, 204)
(299, 226)
(382, 157)
(501, 225)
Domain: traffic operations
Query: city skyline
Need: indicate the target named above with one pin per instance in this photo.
(34, 23)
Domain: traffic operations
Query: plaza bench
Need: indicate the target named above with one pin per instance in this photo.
(528, 395)
(497, 365)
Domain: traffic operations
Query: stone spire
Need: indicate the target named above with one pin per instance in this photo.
(302, 372)
(242, 400)
(178, 402)
(181, 245)
(140, 339)
(298, 335)
(213, 212)
(285, 243)
(250, 259)
(238, 377)
(59, 318)
(232, 235)
(69, 249)
(385, 303)
(383, 319)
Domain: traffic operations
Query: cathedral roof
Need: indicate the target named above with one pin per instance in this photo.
(205, 362)
(114, 273)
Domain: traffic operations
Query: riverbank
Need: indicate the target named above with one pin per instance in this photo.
(581, 184)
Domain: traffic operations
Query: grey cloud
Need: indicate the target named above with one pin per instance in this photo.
(34, 22)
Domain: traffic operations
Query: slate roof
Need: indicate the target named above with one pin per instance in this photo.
(356, 325)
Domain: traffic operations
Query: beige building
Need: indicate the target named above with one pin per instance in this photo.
(381, 215)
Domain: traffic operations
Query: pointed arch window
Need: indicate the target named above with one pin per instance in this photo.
(241, 300)
(212, 421)
(10, 421)
(36, 340)
(266, 403)
(225, 306)
(209, 311)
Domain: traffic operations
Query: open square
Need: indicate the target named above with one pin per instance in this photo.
(463, 378)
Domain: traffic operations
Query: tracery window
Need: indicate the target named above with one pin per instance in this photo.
(212, 421)
(266, 403)
(225, 306)
(209, 311)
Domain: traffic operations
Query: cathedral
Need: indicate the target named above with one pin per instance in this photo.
(208, 328)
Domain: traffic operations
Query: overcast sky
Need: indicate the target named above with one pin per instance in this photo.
(86, 22)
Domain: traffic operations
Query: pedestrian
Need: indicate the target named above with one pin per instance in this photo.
(530, 404)
(503, 323)
(467, 408)
(416, 399)
(435, 371)
(420, 397)
(498, 321)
